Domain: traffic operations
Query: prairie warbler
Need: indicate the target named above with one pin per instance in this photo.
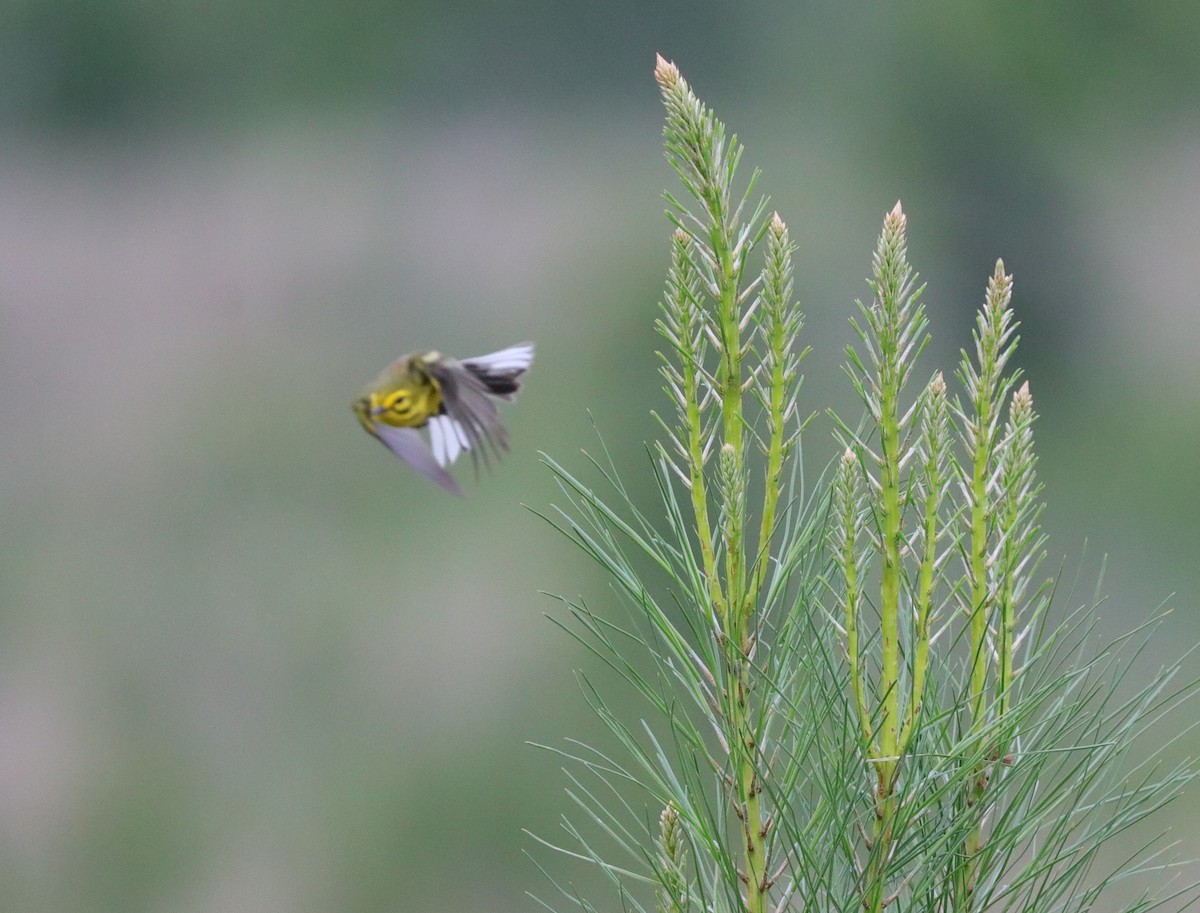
(454, 399)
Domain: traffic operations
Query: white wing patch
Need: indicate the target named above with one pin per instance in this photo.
(448, 438)
(514, 358)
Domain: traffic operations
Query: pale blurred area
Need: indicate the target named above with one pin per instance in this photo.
(248, 661)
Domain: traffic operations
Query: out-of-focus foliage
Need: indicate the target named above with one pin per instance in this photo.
(246, 663)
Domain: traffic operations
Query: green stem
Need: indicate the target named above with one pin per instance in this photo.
(887, 757)
(738, 627)
(889, 589)
(699, 487)
(735, 612)
(753, 830)
(979, 587)
(746, 785)
(1007, 624)
(980, 609)
(730, 379)
(924, 606)
(775, 417)
(885, 813)
(852, 606)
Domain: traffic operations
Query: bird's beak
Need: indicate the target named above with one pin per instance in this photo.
(371, 405)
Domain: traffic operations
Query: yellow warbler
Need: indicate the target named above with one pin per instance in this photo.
(454, 399)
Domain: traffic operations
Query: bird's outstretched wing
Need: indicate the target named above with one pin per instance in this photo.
(410, 446)
(473, 421)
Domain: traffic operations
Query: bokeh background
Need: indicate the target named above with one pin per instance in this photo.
(248, 662)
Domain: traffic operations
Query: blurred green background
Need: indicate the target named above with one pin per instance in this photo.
(249, 662)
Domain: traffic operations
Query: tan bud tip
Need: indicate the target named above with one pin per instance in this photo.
(1000, 286)
(1023, 399)
(937, 386)
(895, 220)
(849, 458)
(665, 72)
(669, 815)
(682, 237)
(777, 224)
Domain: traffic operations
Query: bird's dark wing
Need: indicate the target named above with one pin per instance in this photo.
(467, 403)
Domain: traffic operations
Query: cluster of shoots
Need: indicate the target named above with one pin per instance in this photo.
(938, 496)
(856, 701)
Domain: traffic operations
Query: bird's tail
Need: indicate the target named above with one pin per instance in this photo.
(499, 371)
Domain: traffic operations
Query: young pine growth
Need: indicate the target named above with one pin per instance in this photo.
(854, 700)
(923, 506)
(673, 896)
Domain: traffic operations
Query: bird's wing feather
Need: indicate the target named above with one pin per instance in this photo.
(499, 371)
(516, 359)
(471, 410)
(448, 439)
(408, 444)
